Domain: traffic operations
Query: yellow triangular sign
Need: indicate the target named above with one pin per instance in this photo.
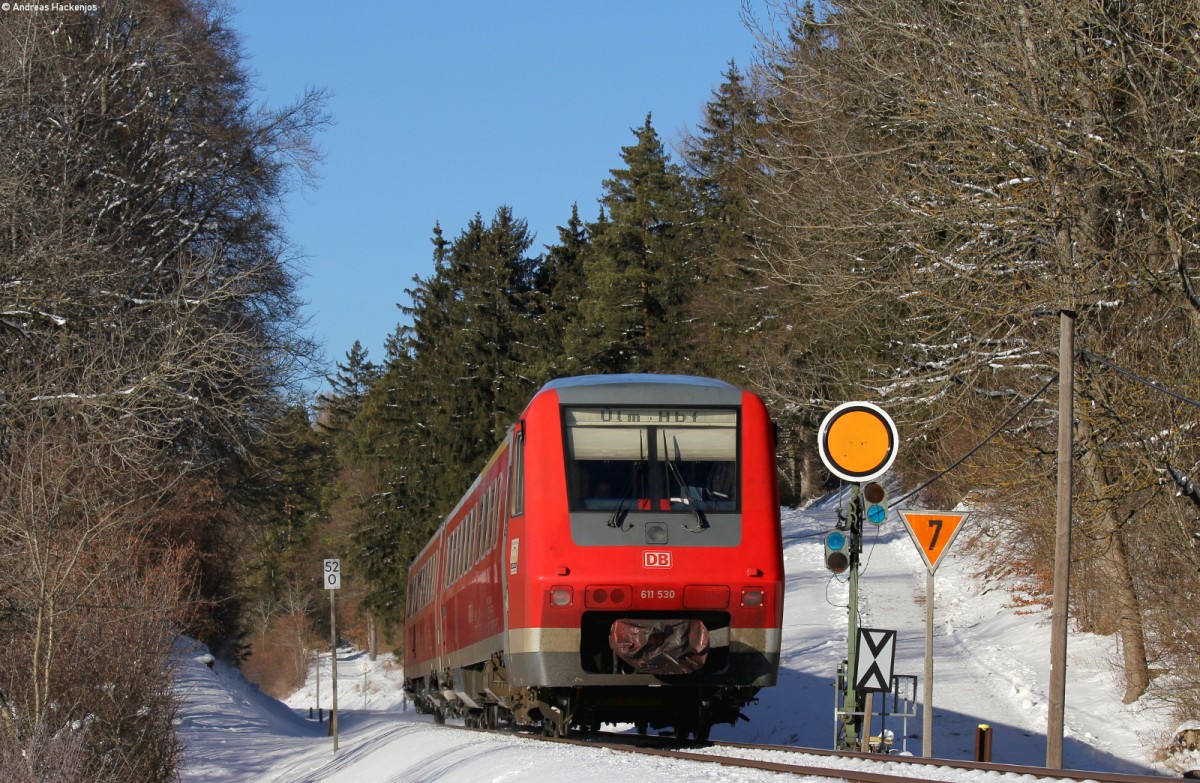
(933, 532)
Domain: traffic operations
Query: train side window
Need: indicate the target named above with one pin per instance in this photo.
(485, 506)
(469, 549)
(481, 525)
(493, 515)
(464, 546)
(456, 554)
(516, 475)
(468, 540)
(477, 527)
(476, 534)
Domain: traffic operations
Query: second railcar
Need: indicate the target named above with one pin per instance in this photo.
(618, 560)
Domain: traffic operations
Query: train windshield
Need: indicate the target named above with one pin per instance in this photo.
(677, 459)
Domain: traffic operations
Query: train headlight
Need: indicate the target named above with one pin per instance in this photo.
(561, 596)
(753, 596)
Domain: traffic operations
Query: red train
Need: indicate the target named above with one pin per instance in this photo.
(618, 560)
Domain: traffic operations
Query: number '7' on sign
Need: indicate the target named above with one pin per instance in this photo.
(933, 532)
(333, 574)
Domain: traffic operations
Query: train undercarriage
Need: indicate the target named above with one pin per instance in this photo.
(483, 697)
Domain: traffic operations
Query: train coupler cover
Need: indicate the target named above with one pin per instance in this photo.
(660, 646)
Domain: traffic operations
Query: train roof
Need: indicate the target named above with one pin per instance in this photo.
(643, 389)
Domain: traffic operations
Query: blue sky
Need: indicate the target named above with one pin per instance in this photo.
(448, 108)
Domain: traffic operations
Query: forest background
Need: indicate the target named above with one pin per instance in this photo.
(893, 204)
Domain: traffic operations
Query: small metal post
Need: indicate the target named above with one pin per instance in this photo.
(333, 716)
(927, 699)
(983, 743)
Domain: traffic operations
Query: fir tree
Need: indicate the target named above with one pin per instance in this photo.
(348, 387)
(723, 314)
(561, 286)
(456, 376)
(639, 269)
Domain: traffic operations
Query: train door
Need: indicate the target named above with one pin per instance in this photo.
(513, 505)
(439, 619)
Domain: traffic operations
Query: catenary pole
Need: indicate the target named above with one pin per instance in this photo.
(1060, 606)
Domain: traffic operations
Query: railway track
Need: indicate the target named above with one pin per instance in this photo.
(854, 767)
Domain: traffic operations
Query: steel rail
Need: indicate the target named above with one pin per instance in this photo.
(853, 775)
(1012, 769)
(650, 745)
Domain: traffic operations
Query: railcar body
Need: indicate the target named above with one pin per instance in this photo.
(618, 560)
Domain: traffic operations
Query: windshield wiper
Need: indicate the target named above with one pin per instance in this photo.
(685, 495)
(617, 518)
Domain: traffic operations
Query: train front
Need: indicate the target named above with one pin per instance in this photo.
(646, 575)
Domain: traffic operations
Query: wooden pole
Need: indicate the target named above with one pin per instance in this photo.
(868, 708)
(1060, 606)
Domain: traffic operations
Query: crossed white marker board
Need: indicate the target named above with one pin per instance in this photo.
(874, 660)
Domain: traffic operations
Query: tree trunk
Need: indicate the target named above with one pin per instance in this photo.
(1115, 567)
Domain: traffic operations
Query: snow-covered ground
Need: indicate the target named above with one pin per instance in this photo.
(991, 663)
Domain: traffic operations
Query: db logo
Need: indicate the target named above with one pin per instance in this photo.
(656, 559)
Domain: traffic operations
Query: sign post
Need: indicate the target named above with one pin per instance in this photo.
(333, 582)
(857, 442)
(932, 532)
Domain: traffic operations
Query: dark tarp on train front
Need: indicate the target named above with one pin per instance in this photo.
(660, 646)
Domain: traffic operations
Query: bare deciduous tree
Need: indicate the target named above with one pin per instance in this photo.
(150, 324)
(944, 178)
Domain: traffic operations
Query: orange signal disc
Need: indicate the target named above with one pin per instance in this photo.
(857, 441)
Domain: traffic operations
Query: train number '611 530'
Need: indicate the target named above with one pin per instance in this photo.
(660, 595)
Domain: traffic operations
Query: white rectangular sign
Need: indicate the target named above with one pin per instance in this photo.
(333, 574)
(875, 660)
